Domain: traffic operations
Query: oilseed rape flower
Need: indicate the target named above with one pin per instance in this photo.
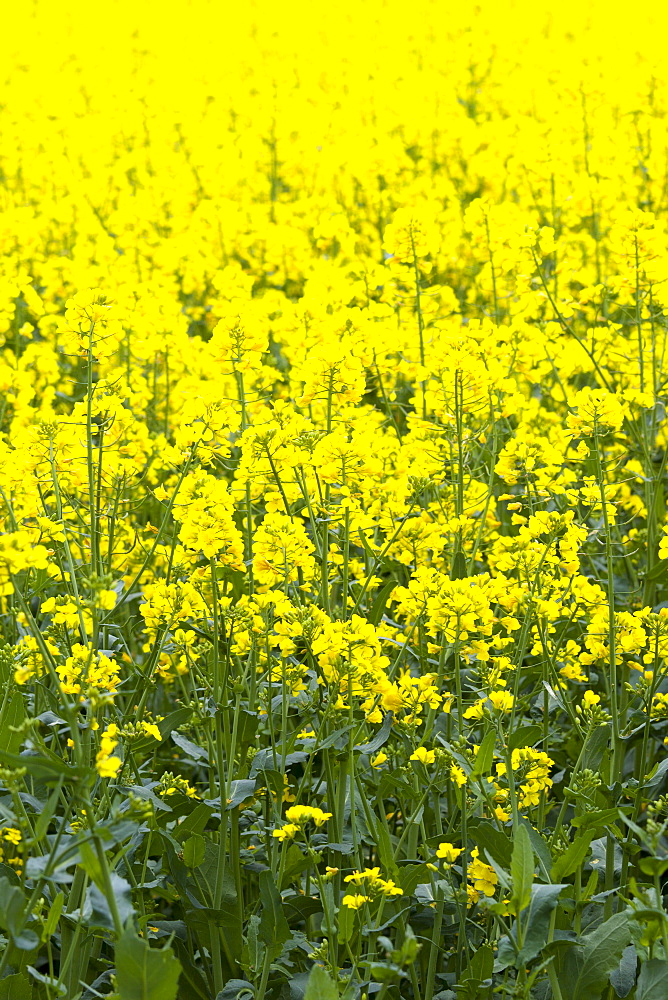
(298, 818)
(482, 877)
(333, 464)
(448, 853)
(107, 764)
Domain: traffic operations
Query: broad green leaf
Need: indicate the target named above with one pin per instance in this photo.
(573, 856)
(101, 912)
(90, 863)
(145, 973)
(598, 819)
(655, 778)
(346, 921)
(481, 965)
(12, 715)
(380, 738)
(240, 790)
(13, 917)
(295, 863)
(234, 988)
(522, 868)
(386, 852)
(653, 980)
(601, 952)
(459, 566)
(320, 985)
(595, 746)
(40, 766)
(194, 850)
(484, 756)
(537, 921)
(15, 988)
(378, 606)
(194, 823)
(540, 847)
(623, 978)
(51, 922)
(252, 954)
(190, 748)
(496, 844)
(48, 812)
(525, 736)
(410, 876)
(273, 930)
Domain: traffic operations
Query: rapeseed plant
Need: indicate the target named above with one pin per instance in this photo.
(333, 541)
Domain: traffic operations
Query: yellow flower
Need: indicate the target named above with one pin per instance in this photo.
(502, 701)
(457, 775)
(286, 832)
(151, 730)
(483, 877)
(355, 902)
(379, 759)
(448, 853)
(423, 755)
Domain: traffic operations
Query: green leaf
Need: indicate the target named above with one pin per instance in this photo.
(522, 867)
(145, 973)
(15, 988)
(495, 844)
(378, 606)
(597, 820)
(484, 756)
(48, 812)
(53, 917)
(13, 918)
(194, 850)
(12, 715)
(295, 863)
(543, 901)
(525, 736)
(595, 746)
(386, 853)
(573, 856)
(601, 952)
(540, 847)
(192, 749)
(623, 978)
(273, 930)
(234, 987)
(656, 776)
(380, 738)
(40, 766)
(320, 985)
(346, 921)
(90, 863)
(481, 965)
(101, 913)
(240, 790)
(653, 980)
(459, 567)
(410, 876)
(194, 823)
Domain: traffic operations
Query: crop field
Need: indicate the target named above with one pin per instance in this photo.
(333, 531)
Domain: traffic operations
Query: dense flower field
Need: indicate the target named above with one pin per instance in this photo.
(334, 554)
